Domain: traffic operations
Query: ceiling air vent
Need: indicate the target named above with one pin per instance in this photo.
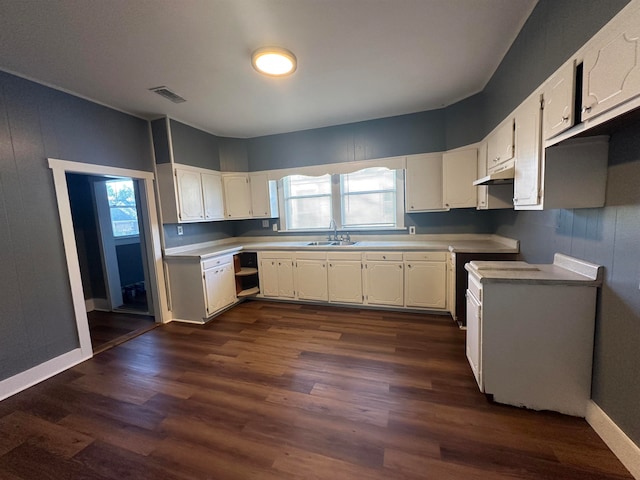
(168, 94)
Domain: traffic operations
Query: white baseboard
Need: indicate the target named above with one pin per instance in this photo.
(619, 443)
(37, 374)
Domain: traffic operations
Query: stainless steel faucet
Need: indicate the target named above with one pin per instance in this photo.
(334, 226)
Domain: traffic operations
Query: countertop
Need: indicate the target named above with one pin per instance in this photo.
(564, 270)
(466, 243)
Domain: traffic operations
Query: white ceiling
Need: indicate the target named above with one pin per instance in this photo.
(357, 59)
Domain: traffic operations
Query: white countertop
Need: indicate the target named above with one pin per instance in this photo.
(465, 243)
(564, 270)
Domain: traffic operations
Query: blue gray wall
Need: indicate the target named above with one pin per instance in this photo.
(36, 315)
(608, 236)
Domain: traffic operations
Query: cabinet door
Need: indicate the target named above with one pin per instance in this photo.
(459, 170)
(425, 284)
(611, 71)
(227, 286)
(482, 190)
(261, 196)
(212, 282)
(384, 283)
(474, 338)
(559, 98)
(424, 183)
(286, 286)
(312, 280)
(213, 197)
(500, 146)
(189, 188)
(269, 277)
(345, 281)
(451, 286)
(237, 196)
(526, 184)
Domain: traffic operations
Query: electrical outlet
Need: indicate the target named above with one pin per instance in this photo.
(274, 227)
(265, 223)
(180, 231)
(412, 230)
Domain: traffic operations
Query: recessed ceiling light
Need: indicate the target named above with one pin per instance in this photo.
(274, 61)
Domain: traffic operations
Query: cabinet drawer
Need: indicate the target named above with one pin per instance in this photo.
(311, 255)
(475, 287)
(276, 254)
(216, 262)
(355, 256)
(425, 257)
(393, 256)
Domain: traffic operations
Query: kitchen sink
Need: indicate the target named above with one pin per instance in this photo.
(331, 243)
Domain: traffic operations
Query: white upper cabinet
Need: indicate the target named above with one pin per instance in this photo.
(264, 199)
(237, 195)
(424, 183)
(189, 186)
(491, 196)
(611, 66)
(526, 185)
(212, 196)
(559, 101)
(500, 146)
(459, 170)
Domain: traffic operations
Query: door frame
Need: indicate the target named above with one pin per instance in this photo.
(152, 239)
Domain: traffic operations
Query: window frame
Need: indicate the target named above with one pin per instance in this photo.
(336, 206)
(123, 239)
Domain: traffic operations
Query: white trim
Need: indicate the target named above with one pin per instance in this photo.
(39, 373)
(392, 163)
(59, 169)
(619, 443)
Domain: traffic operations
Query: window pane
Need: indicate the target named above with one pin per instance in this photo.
(122, 206)
(369, 209)
(301, 185)
(307, 201)
(314, 212)
(121, 193)
(369, 179)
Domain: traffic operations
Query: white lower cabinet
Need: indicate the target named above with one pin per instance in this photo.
(200, 289)
(311, 276)
(345, 277)
(425, 279)
(276, 274)
(383, 278)
(451, 285)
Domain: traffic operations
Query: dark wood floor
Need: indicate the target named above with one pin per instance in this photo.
(108, 329)
(282, 391)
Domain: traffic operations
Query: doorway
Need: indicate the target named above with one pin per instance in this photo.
(92, 239)
(107, 218)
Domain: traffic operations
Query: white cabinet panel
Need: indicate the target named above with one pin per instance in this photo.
(345, 281)
(212, 196)
(219, 287)
(237, 196)
(286, 285)
(474, 337)
(500, 146)
(269, 277)
(611, 68)
(424, 183)
(189, 195)
(384, 283)
(264, 201)
(526, 184)
(559, 98)
(312, 279)
(459, 170)
(425, 284)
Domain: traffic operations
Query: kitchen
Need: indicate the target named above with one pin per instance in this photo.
(42, 122)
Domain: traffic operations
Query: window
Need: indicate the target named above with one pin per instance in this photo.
(371, 198)
(368, 198)
(307, 201)
(122, 207)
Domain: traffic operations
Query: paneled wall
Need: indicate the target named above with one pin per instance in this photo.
(36, 315)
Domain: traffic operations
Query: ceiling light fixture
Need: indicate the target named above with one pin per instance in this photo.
(274, 61)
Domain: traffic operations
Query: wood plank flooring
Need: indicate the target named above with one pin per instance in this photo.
(108, 329)
(284, 391)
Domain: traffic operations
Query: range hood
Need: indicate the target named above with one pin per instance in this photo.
(497, 178)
